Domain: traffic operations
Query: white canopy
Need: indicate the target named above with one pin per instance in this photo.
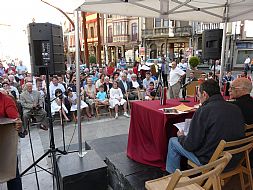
(188, 10)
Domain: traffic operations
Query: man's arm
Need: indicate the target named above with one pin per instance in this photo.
(196, 135)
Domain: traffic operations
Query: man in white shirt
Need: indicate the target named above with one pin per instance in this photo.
(183, 65)
(55, 85)
(247, 63)
(176, 75)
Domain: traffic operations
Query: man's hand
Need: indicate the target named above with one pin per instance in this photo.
(180, 133)
(18, 124)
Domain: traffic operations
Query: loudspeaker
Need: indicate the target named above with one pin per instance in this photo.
(211, 44)
(46, 48)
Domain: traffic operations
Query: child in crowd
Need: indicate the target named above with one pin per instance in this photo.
(101, 96)
(58, 105)
(116, 99)
(150, 92)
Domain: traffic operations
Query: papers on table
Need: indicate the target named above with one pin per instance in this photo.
(177, 109)
(184, 126)
(183, 108)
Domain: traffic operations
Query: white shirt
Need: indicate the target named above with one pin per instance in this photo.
(135, 84)
(115, 93)
(247, 60)
(183, 66)
(52, 89)
(175, 75)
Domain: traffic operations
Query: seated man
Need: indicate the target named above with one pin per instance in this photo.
(150, 92)
(147, 80)
(215, 120)
(32, 103)
(240, 91)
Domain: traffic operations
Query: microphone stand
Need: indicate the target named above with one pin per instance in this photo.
(62, 125)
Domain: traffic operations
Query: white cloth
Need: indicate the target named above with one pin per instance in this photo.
(115, 94)
(55, 107)
(73, 100)
(175, 75)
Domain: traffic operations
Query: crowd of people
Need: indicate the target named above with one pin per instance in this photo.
(114, 86)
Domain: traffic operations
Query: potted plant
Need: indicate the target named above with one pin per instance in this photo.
(194, 61)
(92, 59)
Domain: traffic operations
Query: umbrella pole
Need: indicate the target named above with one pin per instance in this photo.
(223, 44)
(77, 59)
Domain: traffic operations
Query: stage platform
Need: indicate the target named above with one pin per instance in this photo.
(123, 173)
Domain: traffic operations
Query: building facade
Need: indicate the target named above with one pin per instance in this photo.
(165, 38)
(121, 38)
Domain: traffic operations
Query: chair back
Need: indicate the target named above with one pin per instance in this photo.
(248, 130)
(191, 89)
(206, 179)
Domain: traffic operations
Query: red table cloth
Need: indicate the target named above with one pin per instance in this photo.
(150, 130)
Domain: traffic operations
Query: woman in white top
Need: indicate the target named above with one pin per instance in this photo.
(116, 99)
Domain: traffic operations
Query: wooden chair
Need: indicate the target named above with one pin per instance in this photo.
(181, 180)
(248, 130)
(191, 89)
(138, 92)
(242, 146)
(99, 107)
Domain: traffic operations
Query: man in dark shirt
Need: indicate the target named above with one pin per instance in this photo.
(240, 91)
(213, 121)
(8, 109)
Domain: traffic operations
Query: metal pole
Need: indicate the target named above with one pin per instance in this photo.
(77, 59)
(223, 44)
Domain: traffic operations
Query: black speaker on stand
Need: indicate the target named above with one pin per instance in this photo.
(46, 43)
(46, 51)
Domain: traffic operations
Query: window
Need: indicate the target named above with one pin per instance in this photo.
(91, 32)
(166, 23)
(117, 28)
(134, 32)
(157, 22)
(110, 38)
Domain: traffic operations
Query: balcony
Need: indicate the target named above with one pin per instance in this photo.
(168, 32)
(183, 31)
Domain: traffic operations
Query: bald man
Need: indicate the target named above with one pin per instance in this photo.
(32, 103)
(240, 90)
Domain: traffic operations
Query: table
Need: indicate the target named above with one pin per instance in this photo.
(150, 130)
